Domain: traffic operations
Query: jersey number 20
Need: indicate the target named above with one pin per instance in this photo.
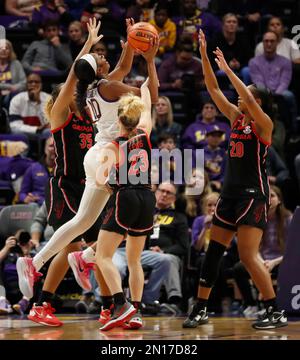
(237, 149)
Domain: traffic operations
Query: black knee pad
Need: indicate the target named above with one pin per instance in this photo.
(211, 264)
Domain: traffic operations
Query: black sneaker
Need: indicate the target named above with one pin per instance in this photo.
(196, 318)
(271, 320)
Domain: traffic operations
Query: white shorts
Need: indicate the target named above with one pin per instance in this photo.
(91, 163)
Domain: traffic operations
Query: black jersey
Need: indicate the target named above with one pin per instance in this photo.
(246, 174)
(134, 167)
(72, 141)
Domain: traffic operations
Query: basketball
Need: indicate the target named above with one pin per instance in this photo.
(140, 35)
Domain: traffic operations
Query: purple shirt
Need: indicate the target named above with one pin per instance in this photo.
(169, 71)
(43, 13)
(270, 248)
(197, 228)
(214, 163)
(194, 136)
(34, 181)
(209, 23)
(275, 73)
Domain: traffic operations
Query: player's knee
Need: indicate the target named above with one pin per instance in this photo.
(248, 259)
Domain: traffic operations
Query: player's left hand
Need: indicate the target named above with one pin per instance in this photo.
(220, 60)
(93, 29)
(149, 55)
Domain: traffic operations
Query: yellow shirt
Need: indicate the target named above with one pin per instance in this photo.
(167, 35)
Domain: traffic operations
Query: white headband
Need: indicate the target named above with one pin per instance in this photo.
(91, 60)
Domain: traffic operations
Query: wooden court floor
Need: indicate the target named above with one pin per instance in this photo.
(86, 327)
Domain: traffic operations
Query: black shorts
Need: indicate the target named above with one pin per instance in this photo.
(62, 203)
(230, 213)
(130, 210)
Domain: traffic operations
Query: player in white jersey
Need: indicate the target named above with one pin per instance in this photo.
(103, 104)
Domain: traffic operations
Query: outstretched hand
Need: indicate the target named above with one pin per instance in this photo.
(220, 60)
(129, 24)
(202, 42)
(93, 29)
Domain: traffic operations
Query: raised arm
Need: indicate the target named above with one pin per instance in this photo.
(229, 110)
(124, 64)
(152, 74)
(145, 122)
(60, 108)
(262, 121)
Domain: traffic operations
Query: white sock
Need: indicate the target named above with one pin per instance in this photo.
(88, 255)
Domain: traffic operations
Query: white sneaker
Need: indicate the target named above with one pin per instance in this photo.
(250, 312)
(27, 276)
(5, 307)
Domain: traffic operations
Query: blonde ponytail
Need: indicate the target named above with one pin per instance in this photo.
(49, 104)
(48, 107)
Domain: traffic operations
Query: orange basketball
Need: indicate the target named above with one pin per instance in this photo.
(140, 35)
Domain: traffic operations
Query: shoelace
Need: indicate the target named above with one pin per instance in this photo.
(50, 310)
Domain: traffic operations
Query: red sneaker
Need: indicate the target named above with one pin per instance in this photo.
(105, 316)
(120, 315)
(44, 315)
(81, 269)
(27, 276)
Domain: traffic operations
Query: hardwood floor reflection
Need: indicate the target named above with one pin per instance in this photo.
(86, 327)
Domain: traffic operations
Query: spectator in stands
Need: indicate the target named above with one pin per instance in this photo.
(108, 12)
(12, 148)
(167, 166)
(40, 230)
(192, 202)
(12, 75)
(37, 175)
(194, 136)
(21, 7)
(26, 110)
(48, 56)
(15, 246)
(235, 48)
(250, 13)
(202, 224)
(171, 70)
(138, 73)
(274, 71)
(171, 237)
(75, 7)
(100, 49)
(215, 157)
(142, 10)
(271, 249)
(53, 11)
(76, 38)
(166, 29)
(192, 18)
(285, 47)
(162, 119)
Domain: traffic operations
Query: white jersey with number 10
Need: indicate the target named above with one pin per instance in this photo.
(104, 113)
